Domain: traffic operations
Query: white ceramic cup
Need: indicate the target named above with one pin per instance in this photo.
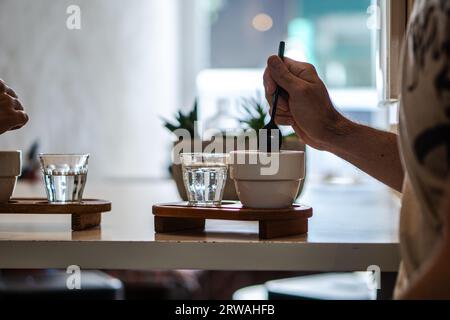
(265, 182)
(10, 169)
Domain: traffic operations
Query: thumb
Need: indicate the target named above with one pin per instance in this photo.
(281, 74)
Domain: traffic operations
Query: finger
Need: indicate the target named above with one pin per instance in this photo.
(282, 107)
(297, 67)
(11, 92)
(17, 104)
(283, 113)
(281, 74)
(269, 84)
(282, 104)
(284, 120)
(270, 89)
(5, 89)
(6, 99)
(302, 70)
(18, 119)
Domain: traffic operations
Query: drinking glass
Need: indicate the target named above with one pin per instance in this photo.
(204, 175)
(64, 176)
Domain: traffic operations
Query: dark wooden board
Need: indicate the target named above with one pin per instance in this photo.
(231, 211)
(273, 223)
(85, 214)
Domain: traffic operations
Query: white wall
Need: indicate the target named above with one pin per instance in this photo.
(101, 89)
(196, 46)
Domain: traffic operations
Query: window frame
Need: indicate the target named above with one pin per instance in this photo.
(396, 21)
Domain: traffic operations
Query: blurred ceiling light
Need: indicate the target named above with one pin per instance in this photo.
(262, 22)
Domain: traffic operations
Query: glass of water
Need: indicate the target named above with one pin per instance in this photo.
(64, 176)
(204, 175)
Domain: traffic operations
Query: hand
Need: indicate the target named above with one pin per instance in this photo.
(12, 115)
(305, 105)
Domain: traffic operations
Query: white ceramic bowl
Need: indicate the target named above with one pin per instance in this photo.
(265, 180)
(10, 169)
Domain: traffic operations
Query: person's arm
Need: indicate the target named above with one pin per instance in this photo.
(373, 151)
(433, 280)
(307, 107)
(12, 115)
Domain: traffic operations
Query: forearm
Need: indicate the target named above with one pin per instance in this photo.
(373, 151)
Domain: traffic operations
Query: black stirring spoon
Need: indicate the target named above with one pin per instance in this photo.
(271, 130)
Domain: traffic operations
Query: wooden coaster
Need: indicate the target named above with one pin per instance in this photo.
(273, 223)
(86, 214)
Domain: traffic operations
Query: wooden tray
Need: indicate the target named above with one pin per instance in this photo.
(174, 217)
(86, 214)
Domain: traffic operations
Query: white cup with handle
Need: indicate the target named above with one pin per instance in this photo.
(10, 169)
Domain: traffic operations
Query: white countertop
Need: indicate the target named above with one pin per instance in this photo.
(353, 227)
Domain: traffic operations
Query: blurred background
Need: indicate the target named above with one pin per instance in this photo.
(105, 88)
(109, 87)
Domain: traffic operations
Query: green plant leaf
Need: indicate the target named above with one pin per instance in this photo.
(193, 116)
(254, 112)
(184, 121)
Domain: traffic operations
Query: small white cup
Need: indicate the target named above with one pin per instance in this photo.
(261, 188)
(10, 169)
